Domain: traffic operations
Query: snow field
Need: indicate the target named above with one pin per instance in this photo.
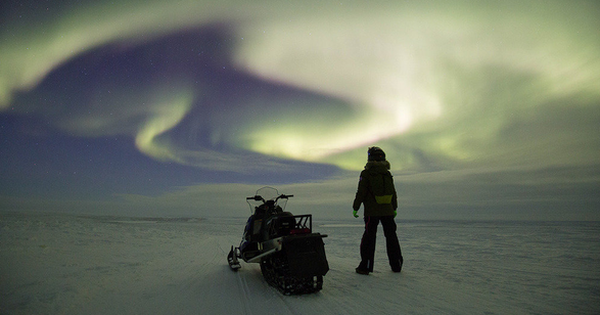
(59, 264)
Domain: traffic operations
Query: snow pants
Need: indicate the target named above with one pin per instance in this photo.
(367, 245)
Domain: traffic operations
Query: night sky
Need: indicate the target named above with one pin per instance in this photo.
(485, 109)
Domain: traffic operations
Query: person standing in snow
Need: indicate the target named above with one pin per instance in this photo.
(377, 193)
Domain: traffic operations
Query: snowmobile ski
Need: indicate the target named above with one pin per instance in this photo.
(232, 259)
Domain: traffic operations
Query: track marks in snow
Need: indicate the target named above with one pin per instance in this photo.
(244, 293)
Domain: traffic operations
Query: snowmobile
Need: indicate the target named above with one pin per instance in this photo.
(291, 257)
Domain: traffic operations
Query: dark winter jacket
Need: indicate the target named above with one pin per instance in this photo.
(365, 195)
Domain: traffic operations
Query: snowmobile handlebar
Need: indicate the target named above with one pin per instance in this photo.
(260, 198)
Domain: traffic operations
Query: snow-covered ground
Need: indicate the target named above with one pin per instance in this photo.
(61, 264)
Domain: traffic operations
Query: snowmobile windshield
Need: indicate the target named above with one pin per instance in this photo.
(267, 193)
(264, 195)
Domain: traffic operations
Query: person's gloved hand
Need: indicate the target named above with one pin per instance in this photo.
(355, 213)
(395, 213)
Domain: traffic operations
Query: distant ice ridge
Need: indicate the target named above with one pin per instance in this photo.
(60, 264)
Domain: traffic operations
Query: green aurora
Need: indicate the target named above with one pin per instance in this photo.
(478, 105)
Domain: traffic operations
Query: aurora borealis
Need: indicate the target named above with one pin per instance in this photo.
(485, 109)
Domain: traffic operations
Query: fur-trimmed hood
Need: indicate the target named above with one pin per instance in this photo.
(377, 165)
